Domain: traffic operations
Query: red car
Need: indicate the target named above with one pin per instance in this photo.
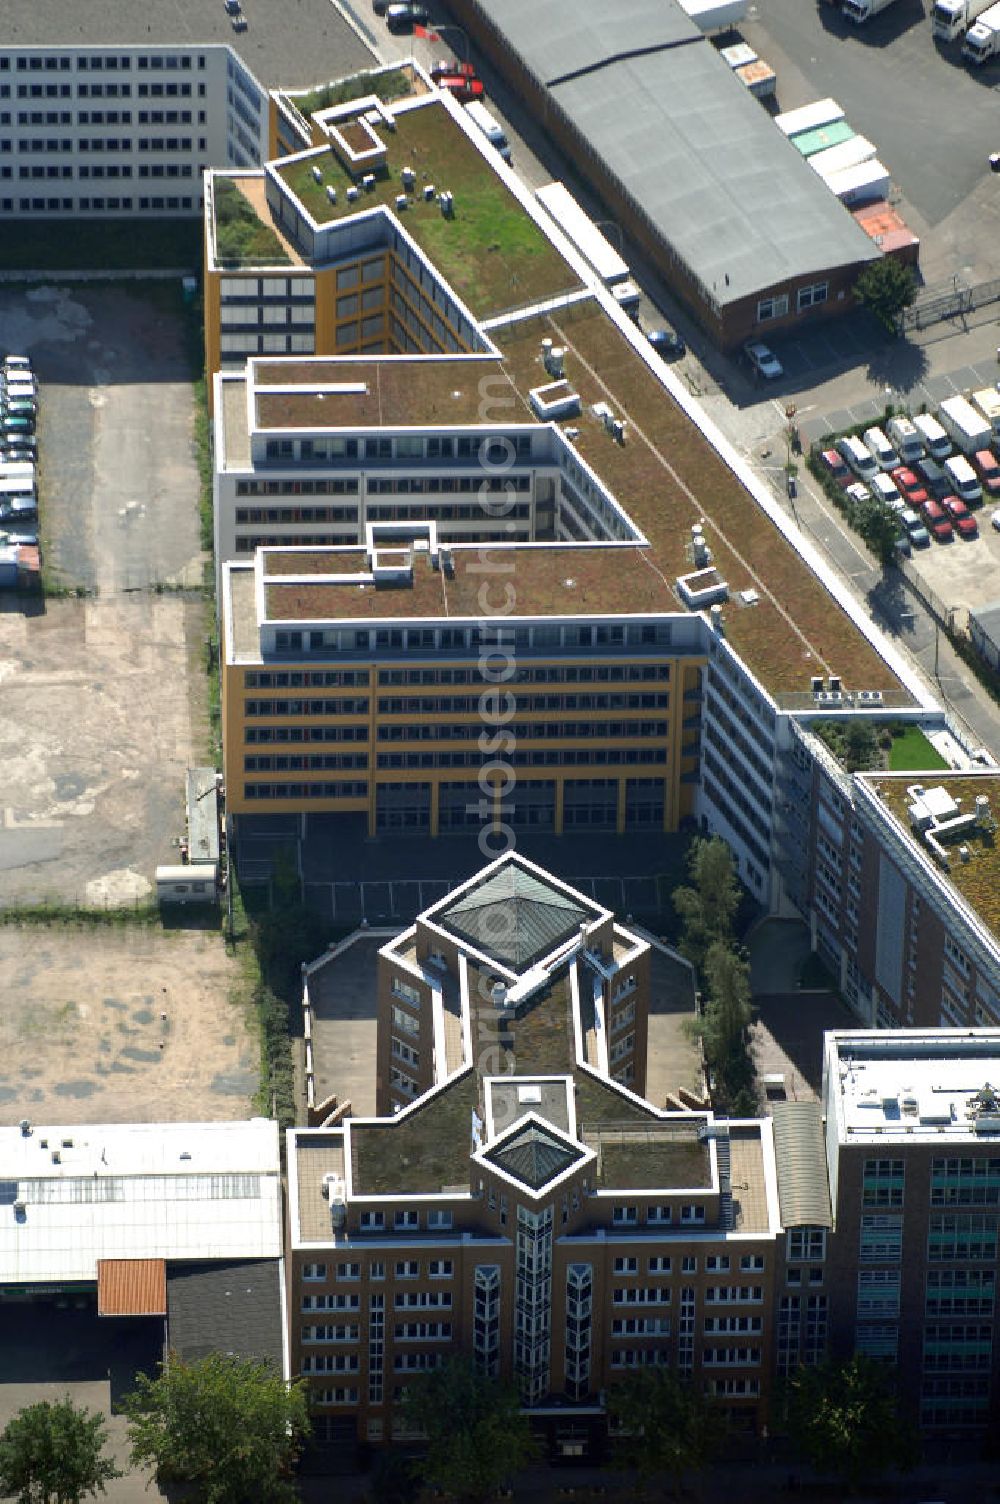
(909, 485)
(937, 520)
(443, 67)
(965, 523)
(461, 87)
(835, 467)
(988, 470)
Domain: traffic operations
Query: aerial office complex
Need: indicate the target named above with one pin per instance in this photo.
(519, 1200)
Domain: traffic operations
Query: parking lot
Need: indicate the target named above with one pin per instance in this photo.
(50, 1351)
(83, 1037)
(105, 696)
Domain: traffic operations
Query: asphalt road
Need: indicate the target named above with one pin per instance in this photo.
(933, 120)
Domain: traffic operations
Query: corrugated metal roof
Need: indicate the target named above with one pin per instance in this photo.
(800, 1157)
(131, 1287)
(687, 142)
(562, 38)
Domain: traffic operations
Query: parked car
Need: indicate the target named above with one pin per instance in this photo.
(965, 523)
(988, 470)
(461, 87)
(909, 485)
(933, 477)
(443, 67)
(836, 469)
(666, 343)
(859, 457)
(763, 360)
(937, 520)
(880, 447)
(405, 17)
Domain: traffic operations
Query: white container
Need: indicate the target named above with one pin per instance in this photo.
(965, 425)
(810, 117)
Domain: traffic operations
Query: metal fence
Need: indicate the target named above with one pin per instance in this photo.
(934, 307)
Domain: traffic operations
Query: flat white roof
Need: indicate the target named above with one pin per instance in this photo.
(928, 1084)
(71, 1196)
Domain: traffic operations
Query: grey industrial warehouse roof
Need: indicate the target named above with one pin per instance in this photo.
(687, 141)
(557, 38)
(800, 1160)
(280, 50)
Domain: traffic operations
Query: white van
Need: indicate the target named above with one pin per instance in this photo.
(859, 457)
(906, 439)
(879, 445)
(887, 492)
(964, 479)
(936, 441)
(491, 129)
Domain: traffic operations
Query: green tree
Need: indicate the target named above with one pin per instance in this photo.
(877, 526)
(477, 1434)
(844, 1419)
(725, 1030)
(860, 746)
(667, 1425)
(708, 907)
(53, 1453)
(229, 1427)
(886, 287)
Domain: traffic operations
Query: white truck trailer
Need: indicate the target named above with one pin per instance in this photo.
(950, 18)
(809, 117)
(982, 40)
(965, 426)
(578, 227)
(987, 401)
(860, 11)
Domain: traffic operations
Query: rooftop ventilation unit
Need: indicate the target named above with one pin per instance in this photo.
(331, 193)
(408, 178)
(352, 194)
(499, 995)
(447, 202)
(368, 182)
(816, 685)
(429, 191)
(555, 360)
(25, 1126)
(870, 697)
(317, 175)
(401, 200)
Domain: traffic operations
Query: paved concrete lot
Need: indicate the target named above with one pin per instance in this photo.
(674, 1058)
(932, 119)
(965, 573)
(82, 1039)
(787, 1038)
(48, 1353)
(118, 484)
(97, 730)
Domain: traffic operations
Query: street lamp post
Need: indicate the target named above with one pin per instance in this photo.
(437, 26)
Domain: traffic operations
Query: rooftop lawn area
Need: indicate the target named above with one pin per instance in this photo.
(423, 1152)
(659, 1162)
(668, 477)
(395, 83)
(912, 752)
(240, 234)
(978, 879)
(489, 250)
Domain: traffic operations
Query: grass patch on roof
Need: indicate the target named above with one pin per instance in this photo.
(912, 752)
(489, 250)
(240, 233)
(394, 84)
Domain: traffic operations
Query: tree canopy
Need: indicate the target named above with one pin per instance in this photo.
(844, 1419)
(230, 1427)
(477, 1435)
(708, 907)
(725, 1027)
(886, 287)
(53, 1453)
(666, 1425)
